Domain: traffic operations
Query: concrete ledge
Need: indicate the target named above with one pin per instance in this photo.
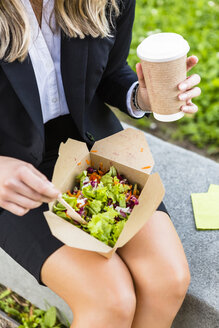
(182, 173)
(6, 322)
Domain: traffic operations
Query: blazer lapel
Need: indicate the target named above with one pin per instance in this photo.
(74, 55)
(22, 79)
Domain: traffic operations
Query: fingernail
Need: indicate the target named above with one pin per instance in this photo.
(53, 188)
(195, 57)
(54, 193)
(182, 87)
(183, 96)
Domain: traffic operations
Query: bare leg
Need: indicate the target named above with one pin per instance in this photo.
(99, 291)
(159, 268)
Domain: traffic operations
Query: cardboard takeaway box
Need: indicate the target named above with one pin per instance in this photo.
(129, 152)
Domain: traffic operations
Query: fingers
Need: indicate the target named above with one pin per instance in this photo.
(23, 187)
(190, 82)
(37, 172)
(189, 108)
(36, 183)
(14, 185)
(195, 92)
(187, 87)
(13, 208)
(189, 93)
(22, 201)
(26, 189)
(191, 62)
(139, 72)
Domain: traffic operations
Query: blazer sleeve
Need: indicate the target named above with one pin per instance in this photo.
(118, 75)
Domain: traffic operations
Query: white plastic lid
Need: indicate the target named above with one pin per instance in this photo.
(162, 47)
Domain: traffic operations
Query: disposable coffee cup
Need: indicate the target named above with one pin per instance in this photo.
(163, 59)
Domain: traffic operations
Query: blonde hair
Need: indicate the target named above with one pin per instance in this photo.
(77, 18)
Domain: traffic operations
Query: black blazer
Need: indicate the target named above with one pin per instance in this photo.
(94, 72)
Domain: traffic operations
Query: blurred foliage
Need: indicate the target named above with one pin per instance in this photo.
(198, 22)
(27, 314)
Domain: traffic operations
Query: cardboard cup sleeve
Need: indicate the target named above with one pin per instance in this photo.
(163, 59)
(162, 80)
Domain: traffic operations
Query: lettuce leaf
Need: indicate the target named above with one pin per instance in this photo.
(101, 194)
(81, 178)
(62, 214)
(88, 192)
(122, 202)
(58, 207)
(106, 179)
(117, 229)
(100, 228)
(101, 225)
(111, 195)
(72, 201)
(112, 172)
(95, 206)
(110, 214)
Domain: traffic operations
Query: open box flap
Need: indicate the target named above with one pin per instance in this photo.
(149, 200)
(73, 236)
(128, 147)
(70, 154)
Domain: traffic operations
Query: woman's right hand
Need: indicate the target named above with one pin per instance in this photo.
(23, 187)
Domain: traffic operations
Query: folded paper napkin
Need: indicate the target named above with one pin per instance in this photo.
(206, 208)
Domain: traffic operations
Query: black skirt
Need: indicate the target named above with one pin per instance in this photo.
(28, 239)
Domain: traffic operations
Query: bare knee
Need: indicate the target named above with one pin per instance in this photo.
(118, 309)
(170, 286)
(115, 308)
(173, 285)
(123, 302)
(102, 295)
(181, 281)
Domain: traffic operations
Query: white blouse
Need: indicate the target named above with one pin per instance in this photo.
(45, 53)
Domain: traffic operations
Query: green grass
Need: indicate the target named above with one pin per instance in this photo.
(198, 22)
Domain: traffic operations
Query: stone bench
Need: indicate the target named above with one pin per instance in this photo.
(183, 172)
(6, 322)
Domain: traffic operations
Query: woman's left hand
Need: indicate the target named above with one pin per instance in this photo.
(188, 88)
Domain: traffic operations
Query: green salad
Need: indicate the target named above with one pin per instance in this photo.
(104, 199)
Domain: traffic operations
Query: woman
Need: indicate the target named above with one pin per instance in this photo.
(61, 61)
